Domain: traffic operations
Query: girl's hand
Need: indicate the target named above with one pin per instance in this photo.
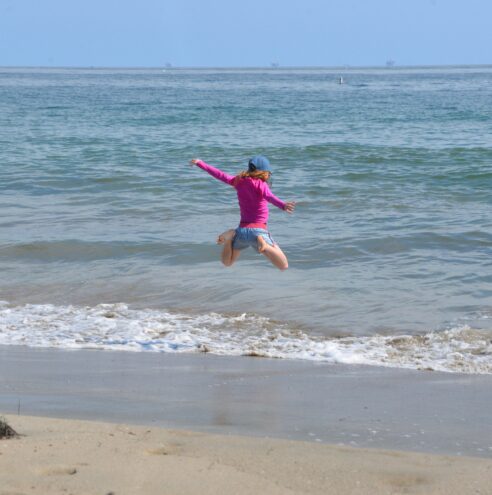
(194, 161)
(290, 206)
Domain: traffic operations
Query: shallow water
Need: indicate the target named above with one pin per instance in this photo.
(392, 235)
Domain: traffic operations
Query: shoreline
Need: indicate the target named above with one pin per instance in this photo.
(360, 406)
(78, 457)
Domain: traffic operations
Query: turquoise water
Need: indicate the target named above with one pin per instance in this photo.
(392, 172)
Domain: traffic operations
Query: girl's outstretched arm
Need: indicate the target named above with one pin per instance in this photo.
(214, 172)
(271, 198)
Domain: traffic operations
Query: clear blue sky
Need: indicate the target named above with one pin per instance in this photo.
(244, 33)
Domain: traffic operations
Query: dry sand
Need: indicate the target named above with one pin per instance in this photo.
(83, 457)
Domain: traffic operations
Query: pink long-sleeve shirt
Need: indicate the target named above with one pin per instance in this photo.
(253, 195)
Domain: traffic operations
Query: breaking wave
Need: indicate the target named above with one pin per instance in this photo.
(118, 327)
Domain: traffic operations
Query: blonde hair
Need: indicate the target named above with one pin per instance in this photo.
(256, 174)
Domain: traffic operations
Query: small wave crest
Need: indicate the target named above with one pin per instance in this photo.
(118, 327)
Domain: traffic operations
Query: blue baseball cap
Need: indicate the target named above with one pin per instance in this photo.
(259, 162)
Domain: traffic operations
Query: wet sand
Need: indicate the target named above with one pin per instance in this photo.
(358, 406)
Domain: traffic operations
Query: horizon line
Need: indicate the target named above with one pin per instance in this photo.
(245, 67)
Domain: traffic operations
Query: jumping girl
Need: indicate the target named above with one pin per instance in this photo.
(253, 193)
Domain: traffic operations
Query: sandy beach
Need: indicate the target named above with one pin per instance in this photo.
(84, 457)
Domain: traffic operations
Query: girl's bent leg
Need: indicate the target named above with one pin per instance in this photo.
(275, 255)
(228, 255)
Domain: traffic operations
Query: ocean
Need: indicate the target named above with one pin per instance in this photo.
(107, 235)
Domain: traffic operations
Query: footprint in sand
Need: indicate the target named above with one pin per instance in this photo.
(57, 471)
(158, 451)
(406, 481)
(169, 449)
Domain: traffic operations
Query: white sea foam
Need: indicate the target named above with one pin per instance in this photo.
(117, 327)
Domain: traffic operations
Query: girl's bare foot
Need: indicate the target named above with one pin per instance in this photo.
(228, 235)
(261, 244)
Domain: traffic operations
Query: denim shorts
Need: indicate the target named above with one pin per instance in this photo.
(246, 237)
